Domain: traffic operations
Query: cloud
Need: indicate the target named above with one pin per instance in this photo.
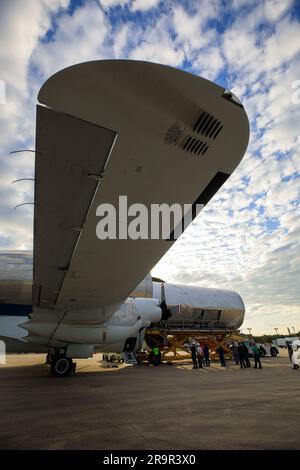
(190, 28)
(239, 47)
(21, 31)
(77, 38)
(121, 40)
(143, 5)
(15, 265)
(209, 63)
(106, 4)
(274, 9)
(156, 45)
(276, 50)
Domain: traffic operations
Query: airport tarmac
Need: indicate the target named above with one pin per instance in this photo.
(146, 407)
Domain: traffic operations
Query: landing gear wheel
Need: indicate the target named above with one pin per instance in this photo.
(61, 366)
(49, 358)
(262, 352)
(273, 352)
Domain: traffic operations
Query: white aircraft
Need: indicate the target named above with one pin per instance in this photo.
(108, 128)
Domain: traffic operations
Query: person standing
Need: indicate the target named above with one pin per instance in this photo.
(240, 349)
(246, 355)
(256, 356)
(295, 357)
(206, 355)
(235, 354)
(194, 356)
(199, 356)
(290, 349)
(221, 353)
(156, 356)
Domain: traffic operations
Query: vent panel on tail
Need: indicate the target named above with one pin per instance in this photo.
(208, 126)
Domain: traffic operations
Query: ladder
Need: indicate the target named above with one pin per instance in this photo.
(129, 357)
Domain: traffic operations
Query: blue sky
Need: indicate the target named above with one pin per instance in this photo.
(247, 238)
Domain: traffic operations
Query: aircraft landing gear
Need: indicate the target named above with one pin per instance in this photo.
(62, 366)
(49, 358)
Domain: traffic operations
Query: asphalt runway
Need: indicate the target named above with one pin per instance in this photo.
(146, 407)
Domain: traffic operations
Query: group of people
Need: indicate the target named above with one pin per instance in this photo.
(241, 355)
(200, 355)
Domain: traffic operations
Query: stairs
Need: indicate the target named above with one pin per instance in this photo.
(129, 358)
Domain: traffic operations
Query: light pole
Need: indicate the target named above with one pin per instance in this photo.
(293, 329)
(276, 331)
(249, 329)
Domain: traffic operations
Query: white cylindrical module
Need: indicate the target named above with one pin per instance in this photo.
(201, 304)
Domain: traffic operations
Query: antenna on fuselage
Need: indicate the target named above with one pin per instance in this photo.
(20, 151)
(22, 179)
(26, 204)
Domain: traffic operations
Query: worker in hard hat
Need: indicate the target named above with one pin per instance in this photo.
(156, 355)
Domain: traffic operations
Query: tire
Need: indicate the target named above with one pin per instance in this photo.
(262, 352)
(273, 352)
(61, 366)
(49, 358)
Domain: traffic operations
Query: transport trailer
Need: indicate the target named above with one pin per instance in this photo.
(175, 344)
